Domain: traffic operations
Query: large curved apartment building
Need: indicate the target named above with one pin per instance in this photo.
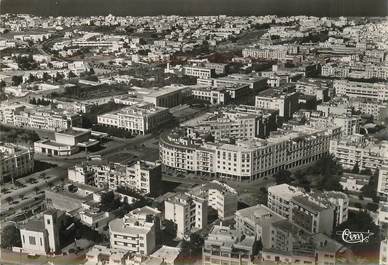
(245, 159)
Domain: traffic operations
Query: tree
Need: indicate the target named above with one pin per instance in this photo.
(32, 78)
(330, 172)
(370, 190)
(356, 168)
(17, 80)
(366, 171)
(283, 176)
(10, 237)
(170, 227)
(46, 76)
(9, 200)
(72, 75)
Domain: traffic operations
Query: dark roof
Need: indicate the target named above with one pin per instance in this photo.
(35, 225)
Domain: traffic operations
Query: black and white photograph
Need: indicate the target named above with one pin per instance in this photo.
(194, 132)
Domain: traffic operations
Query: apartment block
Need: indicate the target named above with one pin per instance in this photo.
(236, 123)
(279, 199)
(254, 81)
(311, 215)
(38, 118)
(187, 211)
(367, 106)
(215, 96)
(368, 153)
(136, 231)
(224, 246)
(220, 197)
(382, 186)
(15, 161)
(313, 87)
(316, 212)
(374, 91)
(246, 159)
(141, 176)
(200, 72)
(285, 103)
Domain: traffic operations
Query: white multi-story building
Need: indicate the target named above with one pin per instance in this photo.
(142, 176)
(237, 123)
(166, 97)
(311, 87)
(255, 221)
(279, 198)
(136, 231)
(38, 118)
(371, 107)
(187, 211)
(375, 91)
(265, 53)
(315, 212)
(15, 161)
(200, 72)
(138, 119)
(284, 241)
(353, 149)
(246, 159)
(285, 103)
(254, 81)
(224, 246)
(382, 186)
(220, 197)
(312, 215)
(335, 108)
(212, 95)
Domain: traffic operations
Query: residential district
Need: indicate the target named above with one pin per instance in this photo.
(193, 140)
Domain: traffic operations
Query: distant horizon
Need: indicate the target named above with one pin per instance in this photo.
(319, 8)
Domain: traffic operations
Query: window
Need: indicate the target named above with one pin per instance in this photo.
(32, 240)
(48, 221)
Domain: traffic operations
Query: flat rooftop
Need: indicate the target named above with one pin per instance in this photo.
(74, 132)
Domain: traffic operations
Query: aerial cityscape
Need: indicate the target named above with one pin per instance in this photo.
(206, 140)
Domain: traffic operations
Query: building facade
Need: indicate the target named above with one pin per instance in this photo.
(136, 231)
(15, 161)
(187, 211)
(246, 159)
(357, 149)
(138, 119)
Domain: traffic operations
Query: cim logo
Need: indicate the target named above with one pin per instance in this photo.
(355, 237)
